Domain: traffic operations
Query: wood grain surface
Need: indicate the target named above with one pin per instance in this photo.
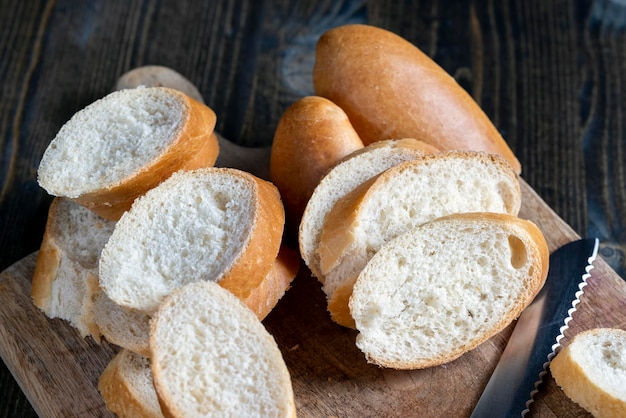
(550, 74)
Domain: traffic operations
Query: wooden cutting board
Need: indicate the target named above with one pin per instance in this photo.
(58, 370)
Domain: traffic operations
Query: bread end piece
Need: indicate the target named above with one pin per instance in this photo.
(591, 371)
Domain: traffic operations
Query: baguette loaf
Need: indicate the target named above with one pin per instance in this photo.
(212, 356)
(65, 277)
(129, 328)
(353, 170)
(313, 134)
(591, 370)
(126, 143)
(402, 197)
(215, 224)
(127, 389)
(391, 89)
(443, 288)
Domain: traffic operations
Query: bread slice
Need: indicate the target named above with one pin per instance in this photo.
(403, 197)
(65, 277)
(216, 224)
(127, 389)
(130, 329)
(591, 370)
(353, 170)
(212, 356)
(124, 327)
(126, 143)
(446, 286)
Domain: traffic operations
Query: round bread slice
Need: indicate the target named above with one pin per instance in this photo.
(216, 224)
(353, 170)
(127, 389)
(403, 197)
(65, 277)
(129, 328)
(126, 143)
(445, 287)
(211, 356)
(591, 370)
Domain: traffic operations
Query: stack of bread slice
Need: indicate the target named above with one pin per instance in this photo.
(139, 214)
(426, 258)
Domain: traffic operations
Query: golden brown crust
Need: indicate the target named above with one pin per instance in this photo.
(338, 233)
(196, 146)
(257, 258)
(117, 392)
(390, 89)
(578, 386)
(48, 263)
(339, 302)
(264, 297)
(312, 135)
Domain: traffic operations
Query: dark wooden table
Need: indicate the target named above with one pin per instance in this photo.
(550, 74)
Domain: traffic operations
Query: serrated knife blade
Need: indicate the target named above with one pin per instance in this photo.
(537, 333)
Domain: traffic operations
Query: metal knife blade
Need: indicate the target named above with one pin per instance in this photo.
(536, 335)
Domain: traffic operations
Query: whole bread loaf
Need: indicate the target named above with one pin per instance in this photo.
(356, 168)
(216, 224)
(65, 279)
(446, 286)
(402, 197)
(127, 389)
(391, 89)
(212, 356)
(126, 143)
(591, 370)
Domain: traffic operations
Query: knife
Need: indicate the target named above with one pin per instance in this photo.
(537, 333)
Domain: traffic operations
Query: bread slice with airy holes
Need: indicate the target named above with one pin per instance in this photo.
(591, 370)
(65, 277)
(353, 170)
(126, 143)
(212, 356)
(403, 197)
(444, 287)
(127, 389)
(130, 329)
(216, 224)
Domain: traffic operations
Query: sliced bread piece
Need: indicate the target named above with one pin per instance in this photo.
(124, 327)
(127, 389)
(403, 197)
(126, 143)
(353, 170)
(65, 277)
(216, 224)
(591, 370)
(212, 356)
(129, 328)
(443, 288)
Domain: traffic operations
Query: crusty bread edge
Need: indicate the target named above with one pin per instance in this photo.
(575, 383)
(195, 146)
(258, 255)
(117, 392)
